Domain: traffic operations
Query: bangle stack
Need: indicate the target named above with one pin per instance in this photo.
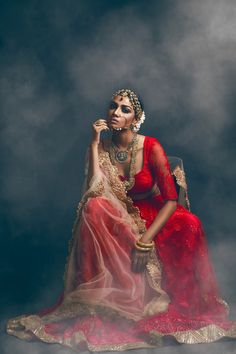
(144, 247)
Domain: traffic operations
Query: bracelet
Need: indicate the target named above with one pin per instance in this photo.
(146, 245)
(141, 248)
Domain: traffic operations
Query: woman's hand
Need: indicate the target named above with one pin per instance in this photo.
(139, 260)
(98, 126)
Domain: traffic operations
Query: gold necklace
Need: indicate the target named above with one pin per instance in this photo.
(122, 155)
(129, 183)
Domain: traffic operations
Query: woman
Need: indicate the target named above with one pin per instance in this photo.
(138, 268)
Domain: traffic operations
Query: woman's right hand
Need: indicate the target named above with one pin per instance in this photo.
(98, 126)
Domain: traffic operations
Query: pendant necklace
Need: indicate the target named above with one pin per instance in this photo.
(128, 183)
(122, 155)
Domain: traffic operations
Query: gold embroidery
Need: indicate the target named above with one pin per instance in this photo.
(180, 177)
(205, 334)
(181, 181)
(119, 190)
(35, 324)
(154, 272)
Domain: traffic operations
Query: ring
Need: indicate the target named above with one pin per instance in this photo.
(98, 122)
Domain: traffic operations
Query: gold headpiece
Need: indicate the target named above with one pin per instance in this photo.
(133, 100)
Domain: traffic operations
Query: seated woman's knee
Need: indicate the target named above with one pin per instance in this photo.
(192, 221)
(92, 204)
(96, 205)
(186, 221)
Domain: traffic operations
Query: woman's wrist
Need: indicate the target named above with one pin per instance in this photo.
(144, 246)
(94, 144)
(146, 238)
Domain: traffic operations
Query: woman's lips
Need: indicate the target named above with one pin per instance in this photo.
(114, 120)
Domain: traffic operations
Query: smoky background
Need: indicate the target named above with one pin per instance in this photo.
(60, 62)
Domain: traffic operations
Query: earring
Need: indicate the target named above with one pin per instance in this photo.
(135, 127)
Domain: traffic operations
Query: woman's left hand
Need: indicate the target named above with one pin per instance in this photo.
(139, 260)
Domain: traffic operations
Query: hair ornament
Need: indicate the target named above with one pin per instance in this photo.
(133, 97)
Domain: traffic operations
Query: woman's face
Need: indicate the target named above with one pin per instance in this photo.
(120, 113)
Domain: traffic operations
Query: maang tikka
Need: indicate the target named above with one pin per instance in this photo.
(139, 112)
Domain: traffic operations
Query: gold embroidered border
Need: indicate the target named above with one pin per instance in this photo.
(207, 334)
(154, 276)
(181, 181)
(119, 191)
(34, 324)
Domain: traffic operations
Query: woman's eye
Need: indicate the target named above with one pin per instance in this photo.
(125, 110)
(112, 105)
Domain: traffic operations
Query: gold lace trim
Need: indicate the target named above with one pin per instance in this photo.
(181, 181)
(35, 328)
(154, 273)
(119, 191)
(35, 325)
(180, 177)
(207, 334)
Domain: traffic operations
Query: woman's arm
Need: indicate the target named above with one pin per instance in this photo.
(165, 212)
(139, 258)
(159, 164)
(93, 167)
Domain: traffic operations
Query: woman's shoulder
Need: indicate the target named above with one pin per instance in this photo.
(148, 137)
(153, 146)
(151, 140)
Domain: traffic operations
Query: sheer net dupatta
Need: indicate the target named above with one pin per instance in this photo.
(98, 279)
(98, 276)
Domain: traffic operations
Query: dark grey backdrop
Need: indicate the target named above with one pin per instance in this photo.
(60, 62)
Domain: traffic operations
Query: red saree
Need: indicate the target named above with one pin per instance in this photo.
(104, 305)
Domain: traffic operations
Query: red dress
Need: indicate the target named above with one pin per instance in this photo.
(181, 242)
(196, 313)
(188, 277)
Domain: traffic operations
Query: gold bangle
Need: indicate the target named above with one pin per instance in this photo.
(148, 248)
(146, 245)
(141, 248)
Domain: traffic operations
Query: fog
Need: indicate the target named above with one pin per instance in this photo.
(60, 64)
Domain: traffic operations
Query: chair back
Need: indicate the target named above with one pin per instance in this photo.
(177, 170)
